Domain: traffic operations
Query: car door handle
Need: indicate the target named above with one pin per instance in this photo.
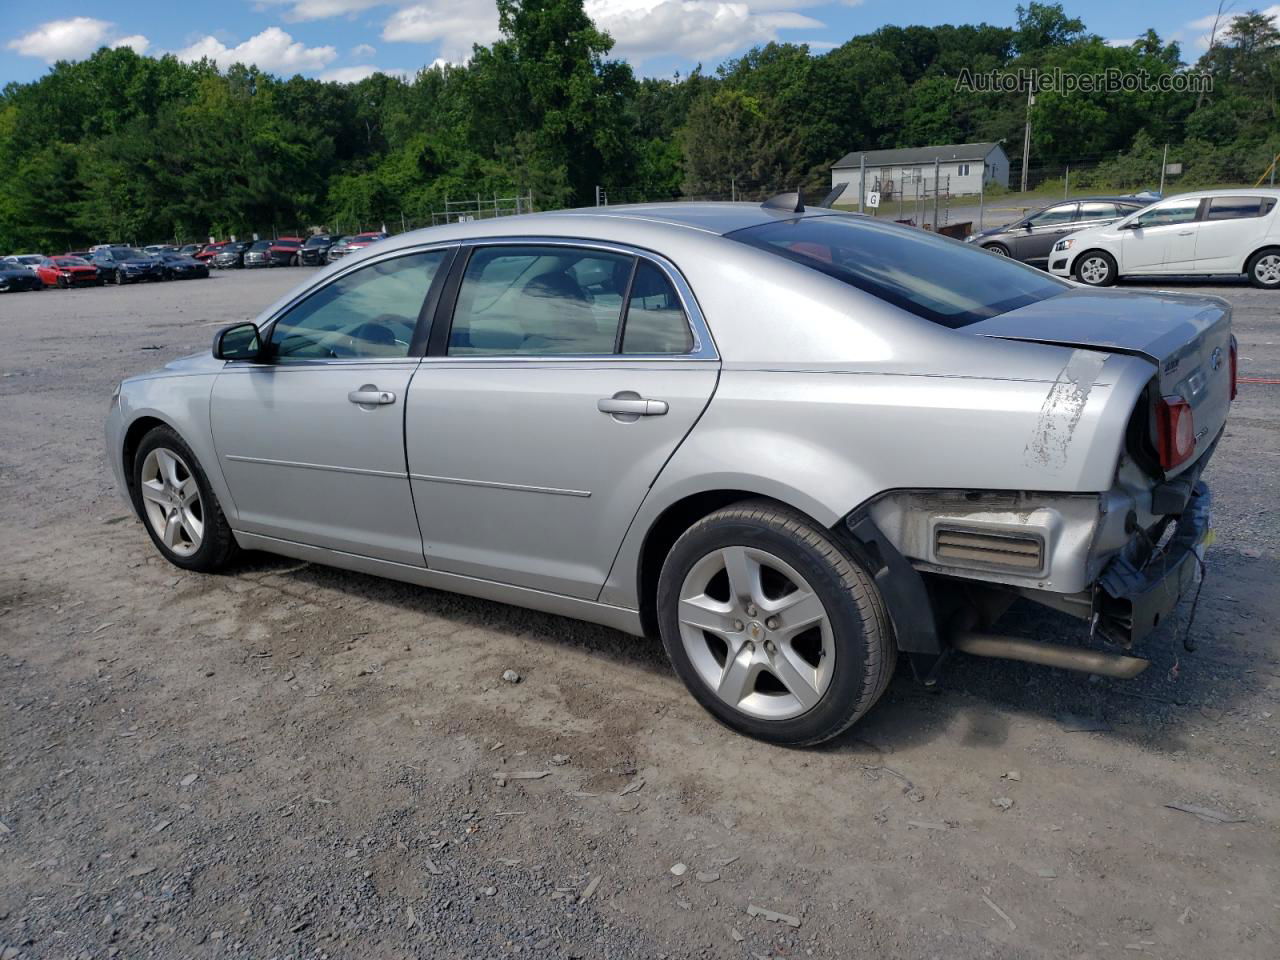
(371, 396)
(1185, 233)
(636, 407)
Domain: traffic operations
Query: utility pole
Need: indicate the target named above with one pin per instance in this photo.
(733, 187)
(1164, 164)
(1066, 183)
(1026, 137)
(862, 180)
(982, 193)
(937, 166)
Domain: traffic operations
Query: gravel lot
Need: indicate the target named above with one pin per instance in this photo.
(291, 761)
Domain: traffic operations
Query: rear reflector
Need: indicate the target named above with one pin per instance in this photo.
(1175, 431)
(968, 547)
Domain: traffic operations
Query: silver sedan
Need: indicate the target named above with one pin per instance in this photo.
(794, 443)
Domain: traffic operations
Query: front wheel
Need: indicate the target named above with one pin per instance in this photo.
(1096, 268)
(774, 627)
(120, 279)
(1264, 269)
(178, 507)
(1000, 250)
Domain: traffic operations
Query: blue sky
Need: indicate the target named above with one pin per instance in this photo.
(347, 39)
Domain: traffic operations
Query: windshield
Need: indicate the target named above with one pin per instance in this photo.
(941, 280)
(316, 241)
(128, 253)
(261, 245)
(31, 259)
(286, 243)
(70, 262)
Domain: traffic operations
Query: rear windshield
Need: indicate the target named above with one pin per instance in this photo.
(942, 280)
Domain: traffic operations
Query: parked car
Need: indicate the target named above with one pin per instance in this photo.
(28, 260)
(176, 266)
(190, 249)
(286, 251)
(258, 254)
(1032, 237)
(362, 240)
(338, 249)
(208, 251)
(231, 256)
(795, 443)
(1210, 232)
(315, 250)
(121, 265)
(155, 248)
(15, 277)
(68, 271)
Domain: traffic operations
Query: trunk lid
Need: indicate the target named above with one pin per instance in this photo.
(1187, 338)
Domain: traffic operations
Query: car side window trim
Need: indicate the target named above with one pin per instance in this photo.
(427, 312)
(438, 343)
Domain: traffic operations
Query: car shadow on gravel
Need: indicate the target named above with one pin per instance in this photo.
(984, 697)
(980, 697)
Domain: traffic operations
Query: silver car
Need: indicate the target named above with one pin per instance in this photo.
(794, 443)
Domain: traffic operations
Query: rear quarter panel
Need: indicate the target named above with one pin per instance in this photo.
(827, 441)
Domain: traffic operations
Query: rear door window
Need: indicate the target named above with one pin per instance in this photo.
(1234, 208)
(540, 301)
(941, 280)
(1097, 210)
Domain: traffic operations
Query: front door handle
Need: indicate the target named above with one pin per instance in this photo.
(1185, 233)
(371, 396)
(632, 405)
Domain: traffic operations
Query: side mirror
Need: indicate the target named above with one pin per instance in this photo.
(237, 342)
(1131, 225)
(1026, 225)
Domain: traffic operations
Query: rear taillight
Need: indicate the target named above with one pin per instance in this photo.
(1235, 352)
(1175, 431)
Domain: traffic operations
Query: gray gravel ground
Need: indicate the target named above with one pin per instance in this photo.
(290, 761)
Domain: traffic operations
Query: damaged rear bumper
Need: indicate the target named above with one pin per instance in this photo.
(1134, 599)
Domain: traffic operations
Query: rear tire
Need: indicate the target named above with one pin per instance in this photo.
(172, 496)
(1264, 269)
(1097, 268)
(774, 627)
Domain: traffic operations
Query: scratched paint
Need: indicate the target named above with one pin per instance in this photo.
(1062, 409)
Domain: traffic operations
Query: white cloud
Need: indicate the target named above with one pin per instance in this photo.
(137, 42)
(73, 39)
(641, 29)
(272, 50)
(360, 71)
(456, 30)
(302, 10)
(1196, 33)
(362, 51)
(696, 29)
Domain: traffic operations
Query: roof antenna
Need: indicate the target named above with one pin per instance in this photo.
(790, 202)
(829, 200)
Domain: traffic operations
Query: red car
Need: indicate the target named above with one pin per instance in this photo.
(68, 271)
(285, 252)
(362, 240)
(209, 251)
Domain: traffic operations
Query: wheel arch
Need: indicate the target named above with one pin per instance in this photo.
(129, 444)
(1079, 258)
(1244, 267)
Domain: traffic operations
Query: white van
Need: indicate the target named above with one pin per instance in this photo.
(1212, 232)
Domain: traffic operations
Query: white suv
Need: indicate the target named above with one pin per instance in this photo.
(1218, 232)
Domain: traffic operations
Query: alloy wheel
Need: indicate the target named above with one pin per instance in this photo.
(1094, 270)
(1267, 269)
(998, 250)
(756, 633)
(171, 498)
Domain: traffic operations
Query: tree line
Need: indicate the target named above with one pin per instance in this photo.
(121, 146)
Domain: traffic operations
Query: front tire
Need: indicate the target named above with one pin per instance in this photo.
(120, 280)
(1264, 269)
(774, 627)
(999, 249)
(1096, 268)
(172, 496)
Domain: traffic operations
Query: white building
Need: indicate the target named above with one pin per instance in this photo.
(909, 172)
